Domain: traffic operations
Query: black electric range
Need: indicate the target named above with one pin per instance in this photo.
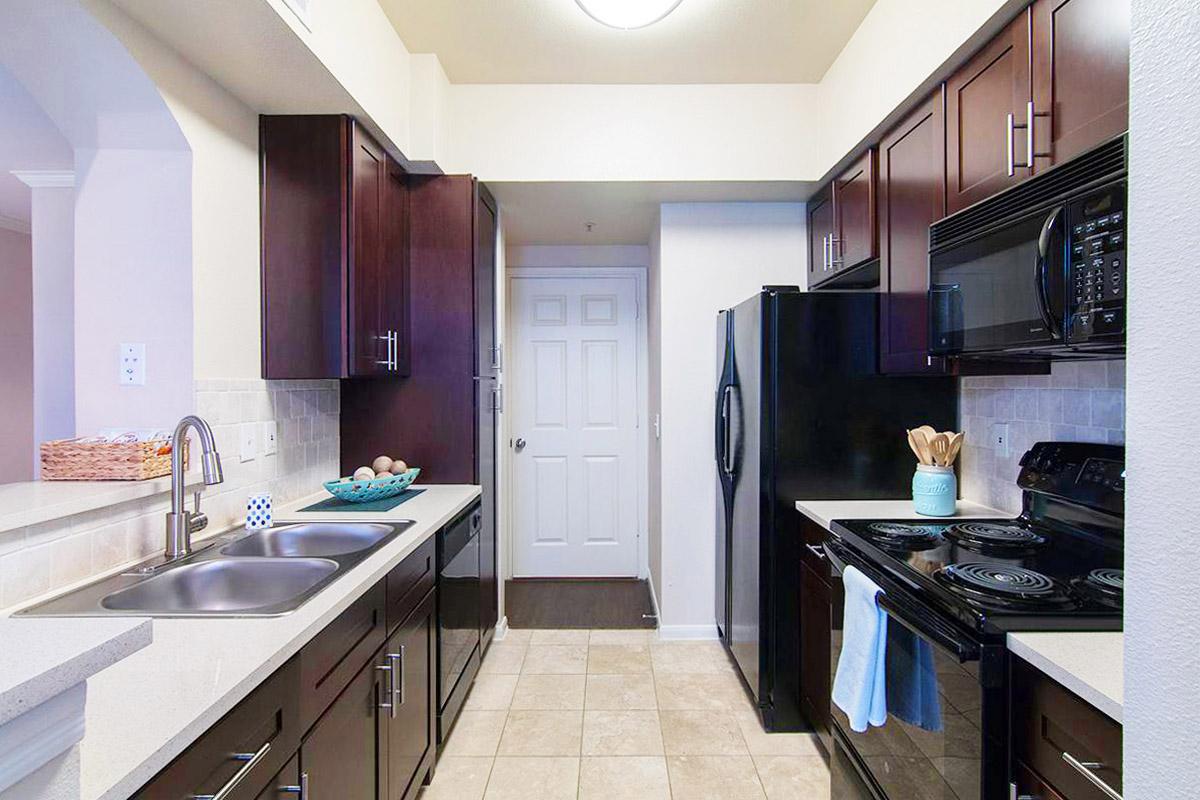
(953, 589)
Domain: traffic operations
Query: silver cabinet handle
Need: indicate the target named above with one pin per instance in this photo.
(1014, 794)
(1087, 769)
(1010, 132)
(835, 244)
(395, 337)
(390, 691)
(1031, 114)
(399, 685)
(816, 550)
(826, 261)
(252, 760)
(301, 789)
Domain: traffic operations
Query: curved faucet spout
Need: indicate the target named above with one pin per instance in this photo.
(180, 523)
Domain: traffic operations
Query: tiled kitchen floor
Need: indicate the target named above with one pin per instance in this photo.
(617, 715)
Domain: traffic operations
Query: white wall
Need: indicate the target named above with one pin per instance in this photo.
(712, 256)
(16, 356)
(53, 236)
(1162, 629)
(639, 133)
(586, 255)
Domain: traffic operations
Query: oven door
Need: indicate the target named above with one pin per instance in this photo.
(932, 745)
(1002, 291)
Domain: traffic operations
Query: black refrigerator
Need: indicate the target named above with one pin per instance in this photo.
(802, 412)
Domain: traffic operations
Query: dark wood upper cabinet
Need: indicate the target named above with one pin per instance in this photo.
(334, 216)
(980, 96)
(820, 229)
(912, 195)
(854, 207)
(1080, 58)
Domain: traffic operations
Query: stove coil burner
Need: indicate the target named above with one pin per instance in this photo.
(899, 534)
(990, 536)
(1004, 583)
(1104, 585)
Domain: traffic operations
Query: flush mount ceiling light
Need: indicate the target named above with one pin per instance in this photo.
(627, 14)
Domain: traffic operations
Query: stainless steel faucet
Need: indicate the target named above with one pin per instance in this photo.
(181, 524)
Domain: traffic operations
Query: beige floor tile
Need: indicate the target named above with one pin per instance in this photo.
(516, 636)
(713, 778)
(503, 659)
(700, 691)
(793, 778)
(542, 733)
(549, 692)
(621, 733)
(622, 636)
(678, 658)
(534, 779)
(458, 778)
(618, 659)
(701, 733)
(624, 778)
(620, 692)
(560, 636)
(476, 733)
(761, 743)
(492, 692)
(556, 659)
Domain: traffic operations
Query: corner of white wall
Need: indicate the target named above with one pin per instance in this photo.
(430, 102)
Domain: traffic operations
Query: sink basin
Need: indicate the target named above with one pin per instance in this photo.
(314, 539)
(223, 587)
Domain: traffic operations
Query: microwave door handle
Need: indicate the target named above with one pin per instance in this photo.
(1041, 269)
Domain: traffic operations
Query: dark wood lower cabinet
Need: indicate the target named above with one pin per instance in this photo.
(816, 681)
(411, 740)
(287, 783)
(340, 753)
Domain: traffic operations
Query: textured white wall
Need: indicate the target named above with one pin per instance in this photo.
(1162, 628)
(16, 356)
(712, 256)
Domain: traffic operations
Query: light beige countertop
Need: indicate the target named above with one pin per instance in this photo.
(1092, 665)
(146, 709)
(823, 512)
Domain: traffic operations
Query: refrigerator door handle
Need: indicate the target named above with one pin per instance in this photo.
(727, 443)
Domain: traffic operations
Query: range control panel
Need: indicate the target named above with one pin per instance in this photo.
(1096, 274)
(1089, 474)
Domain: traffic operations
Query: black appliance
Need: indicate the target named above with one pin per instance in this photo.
(1037, 271)
(459, 649)
(801, 412)
(952, 590)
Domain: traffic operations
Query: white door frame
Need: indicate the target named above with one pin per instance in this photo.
(643, 405)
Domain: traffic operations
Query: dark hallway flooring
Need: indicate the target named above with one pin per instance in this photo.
(557, 603)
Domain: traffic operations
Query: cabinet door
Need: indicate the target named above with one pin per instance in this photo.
(1080, 75)
(287, 783)
(854, 209)
(487, 404)
(340, 754)
(979, 98)
(912, 195)
(815, 681)
(394, 297)
(368, 341)
(820, 228)
(411, 732)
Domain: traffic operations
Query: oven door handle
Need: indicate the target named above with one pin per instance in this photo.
(924, 625)
(1041, 271)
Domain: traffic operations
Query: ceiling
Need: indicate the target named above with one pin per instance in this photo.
(702, 41)
(621, 212)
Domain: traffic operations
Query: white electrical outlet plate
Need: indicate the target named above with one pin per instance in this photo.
(248, 441)
(132, 365)
(270, 438)
(1000, 439)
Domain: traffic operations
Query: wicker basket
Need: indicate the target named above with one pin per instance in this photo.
(99, 460)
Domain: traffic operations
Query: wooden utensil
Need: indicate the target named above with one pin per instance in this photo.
(922, 442)
(955, 445)
(939, 446)
(912, 444)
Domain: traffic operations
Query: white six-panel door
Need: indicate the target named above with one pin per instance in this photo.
(574, 405)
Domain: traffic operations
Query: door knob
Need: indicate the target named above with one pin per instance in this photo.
(519, 445)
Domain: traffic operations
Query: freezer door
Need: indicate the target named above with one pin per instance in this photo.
(745, 413)
(724, 475)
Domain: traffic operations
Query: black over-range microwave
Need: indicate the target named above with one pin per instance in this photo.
(1039, 270)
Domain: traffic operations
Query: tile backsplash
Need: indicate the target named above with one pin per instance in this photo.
(54, 554)
(1077, 401)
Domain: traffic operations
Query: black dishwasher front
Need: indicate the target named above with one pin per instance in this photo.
(458, 614)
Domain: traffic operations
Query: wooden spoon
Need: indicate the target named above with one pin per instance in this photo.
(955, 445)
(912, 444)
(923, 452)
(939, 445)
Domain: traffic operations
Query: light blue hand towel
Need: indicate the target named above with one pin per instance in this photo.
(859, 687)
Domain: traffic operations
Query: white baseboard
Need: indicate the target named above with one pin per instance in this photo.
(688, 632)
(501, 630)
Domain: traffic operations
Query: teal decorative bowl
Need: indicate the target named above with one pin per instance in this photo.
(353, 491)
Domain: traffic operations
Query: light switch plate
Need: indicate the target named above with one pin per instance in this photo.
(132, 365)
(1000, 439)
(248, 441)
(270, 438)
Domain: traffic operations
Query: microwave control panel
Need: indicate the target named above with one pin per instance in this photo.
(1096, 274)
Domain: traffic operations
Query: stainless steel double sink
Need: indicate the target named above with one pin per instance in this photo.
(242, 573)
